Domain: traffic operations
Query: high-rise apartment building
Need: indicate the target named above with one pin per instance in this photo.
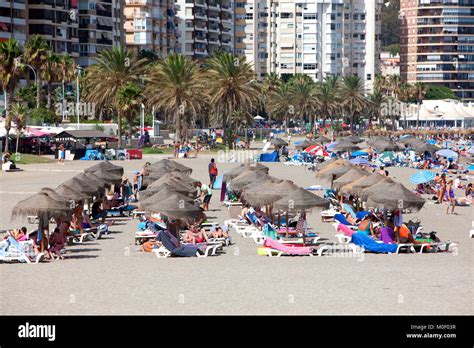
(13, 20)
(99, 28)
(437, 44)
(206, 26)
(314, 37)
(151, 25)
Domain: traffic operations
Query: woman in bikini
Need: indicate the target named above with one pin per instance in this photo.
(195, 236)
(450, 197)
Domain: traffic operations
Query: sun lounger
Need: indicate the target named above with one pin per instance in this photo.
(13, 250)
(136, 214)
(328, 215)
(341, 219)
(75, 236)
(169, 242)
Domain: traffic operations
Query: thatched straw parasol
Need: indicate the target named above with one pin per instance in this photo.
(248, 177)
(101, 182)
(245, 167)
(321, 139)
(174, 206)
(345, 146)
(362, 183)
(394, 196)
(174, 176)
(350, 176)
(334, 170)
(378, 187)
(91, 179)
(180, 167)
(180, 188)
(169, 165)
(385, 145)
(300, 199)
(278, 142)
(161, 195)
(107, 167)
(324, 164)
(66, 191)
(82, 186)
(305, 144)
(424, 147)
(42, 206)
(108, 177)
(268, 192)
(55, 195)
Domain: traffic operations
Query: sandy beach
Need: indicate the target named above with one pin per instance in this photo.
(110, 276)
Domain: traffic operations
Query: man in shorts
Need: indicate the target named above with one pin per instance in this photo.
(212, 168)
(206, 194)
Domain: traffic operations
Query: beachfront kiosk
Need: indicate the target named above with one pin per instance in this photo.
(83, 143)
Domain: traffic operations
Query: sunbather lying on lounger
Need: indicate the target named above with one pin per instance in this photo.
(19, 235)
(195, 235)
(219, 232)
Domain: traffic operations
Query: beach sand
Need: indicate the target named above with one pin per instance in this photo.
(109, 276)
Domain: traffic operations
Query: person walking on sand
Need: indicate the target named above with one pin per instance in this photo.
(212, 172)
(450, 197)
(62, 154)
(442, 189)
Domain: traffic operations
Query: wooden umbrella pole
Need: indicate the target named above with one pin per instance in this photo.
(304, 229)
(287, 224)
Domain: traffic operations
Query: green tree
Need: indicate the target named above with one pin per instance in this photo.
(232, 88)
(49, 74)
(113, 69)
(65, 73)
(270, 84)
(327, 94)
(129, 100)
(175, 87)
(36, 54)
(10, 72)
(419, 92)
(377, 100)
(353, 100)
(439, 92)
(19, 116)
(304, 97)
(279, 103)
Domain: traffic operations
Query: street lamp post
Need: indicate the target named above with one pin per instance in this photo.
(78, 72)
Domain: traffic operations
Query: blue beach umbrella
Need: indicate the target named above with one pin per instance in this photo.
(431, 141)
(422, 177)
(471, 167)
(359, 153)
(447, 153)
(359, 160)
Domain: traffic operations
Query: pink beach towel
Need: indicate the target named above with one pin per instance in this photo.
(346, 230)
(270, 243)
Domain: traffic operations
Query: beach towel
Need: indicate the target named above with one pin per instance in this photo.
(273, 244)
(346, 230)
(342, 219)
(369, 244)
(387, 235)
(361, 214)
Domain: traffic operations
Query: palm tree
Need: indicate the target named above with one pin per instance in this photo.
(419, 92)
(380, 83)
(232, 88)
(327, 93)
(36, 54)
(10, 72)
(303, 96)
(66, 73)
(129, 100)
(377, 99)
(405, 93)
(270, 84)
(279, 103)
(352, 91)
(49, 74)
(393, 84)
(175, 87)
(19, 115)
(113, 69)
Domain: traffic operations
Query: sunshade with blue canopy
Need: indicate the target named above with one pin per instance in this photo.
(447, 153)
(422, 177)
(359, 153)
(360, 161)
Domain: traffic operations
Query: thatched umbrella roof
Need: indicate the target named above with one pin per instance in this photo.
(174, 206)
(345, 146)
(362, 183)
(336, 169)
(173, 177)
(55, 195)
(108, 177)
(80, 185)
(248, 177)
(304, 144)
(67, 191)
(96, 179)
(180, 167)
(268, 192)
(321, 139)
(162, 194)
(350, 176)
(278, 142)
(378, 187)
(41, 205)
(385, 145)
(105, 166)
(395, 196)
(301, 199)
(244, 167)
(91, 179)
(324, 164)
(425, 147)
(180, 188)
(169, 165)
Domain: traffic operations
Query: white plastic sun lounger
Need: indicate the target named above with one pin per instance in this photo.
(19, 251)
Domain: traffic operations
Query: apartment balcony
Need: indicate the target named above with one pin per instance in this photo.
(226, 42)
(103, 41)
(199, 3)
(200, 51)
(214, 29)
(201, 16)
(213, 6)
(226, 8)
(200, 39)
